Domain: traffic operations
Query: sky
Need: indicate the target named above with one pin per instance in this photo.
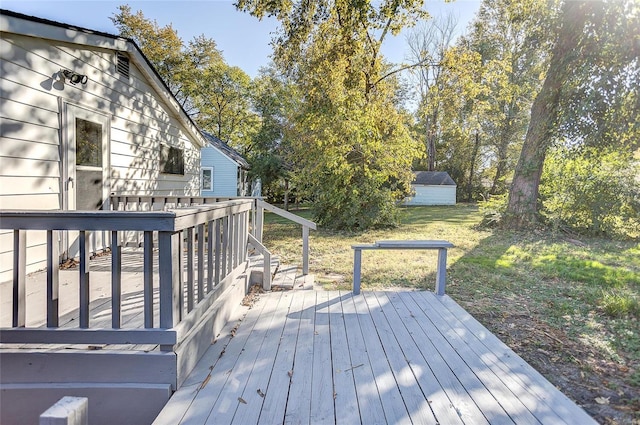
(243, 39)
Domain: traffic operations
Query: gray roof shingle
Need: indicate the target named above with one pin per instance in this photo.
(433, 178)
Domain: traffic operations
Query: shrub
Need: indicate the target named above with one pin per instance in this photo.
(592, 191)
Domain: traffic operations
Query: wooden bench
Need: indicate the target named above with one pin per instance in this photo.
(441, 246)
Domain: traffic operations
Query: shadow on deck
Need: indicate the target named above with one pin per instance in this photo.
(380, 357)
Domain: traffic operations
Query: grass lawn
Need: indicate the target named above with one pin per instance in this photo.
(570, 307)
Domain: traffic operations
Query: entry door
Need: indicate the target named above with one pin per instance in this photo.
(86, 174)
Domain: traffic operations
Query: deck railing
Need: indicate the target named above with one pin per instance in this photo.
(171, 235)
(132, 202)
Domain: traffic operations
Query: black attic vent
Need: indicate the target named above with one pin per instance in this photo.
(122, 64)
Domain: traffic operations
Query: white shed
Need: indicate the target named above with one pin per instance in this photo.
(223, 171)
(432, 188)
(83, 115)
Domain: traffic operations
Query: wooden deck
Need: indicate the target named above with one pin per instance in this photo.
(315, 357)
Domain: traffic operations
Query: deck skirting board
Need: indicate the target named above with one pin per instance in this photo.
(108, 403)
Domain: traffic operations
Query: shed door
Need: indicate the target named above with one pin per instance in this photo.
(86, 167)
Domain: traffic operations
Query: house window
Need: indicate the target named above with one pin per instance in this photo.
(171, 160)
(206, 178)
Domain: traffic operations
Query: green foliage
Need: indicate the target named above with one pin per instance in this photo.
(348, 142)
(592, 191)
(589, 97)
(620, 303)
(217, 96)
(492, 210)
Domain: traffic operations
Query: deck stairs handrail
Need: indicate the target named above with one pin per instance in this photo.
(306, 225)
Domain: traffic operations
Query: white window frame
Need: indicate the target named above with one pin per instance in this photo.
(202, 170)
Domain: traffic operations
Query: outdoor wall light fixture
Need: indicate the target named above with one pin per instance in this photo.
(74, 77)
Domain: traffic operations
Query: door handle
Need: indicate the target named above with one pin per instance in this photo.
(69, 182)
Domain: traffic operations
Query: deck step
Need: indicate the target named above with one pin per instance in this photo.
(291, 277)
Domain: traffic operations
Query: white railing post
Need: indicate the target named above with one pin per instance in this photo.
(170, 282)
(67, 411)
(259, 221)
(305, 250)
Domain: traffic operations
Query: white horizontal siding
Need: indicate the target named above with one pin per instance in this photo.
(30, 116)
(432, 195)
(225, 173)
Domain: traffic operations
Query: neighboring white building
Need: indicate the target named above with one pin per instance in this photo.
(83, 114)
(223, 171)
(432, 188)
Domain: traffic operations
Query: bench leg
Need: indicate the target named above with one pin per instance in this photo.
(441, 271)
(357, 261)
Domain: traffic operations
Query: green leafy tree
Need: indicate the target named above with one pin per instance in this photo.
(351, 148)
(463, 139)
(223, 97)
(591, 86)
(178, 66)
(510, 38)
(428, 44)
(275, 98)
(216, 95)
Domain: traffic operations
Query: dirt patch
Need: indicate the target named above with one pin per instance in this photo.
(578, 370)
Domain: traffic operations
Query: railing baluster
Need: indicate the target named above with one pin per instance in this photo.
(19, 277)
(231, 238)
(148, 279)
(218, 243)
(245, 236)
(53, 267)
(190, 267)
(210, 254)
(84, 279)
(201, 258)
(116, 281)
(225, 244)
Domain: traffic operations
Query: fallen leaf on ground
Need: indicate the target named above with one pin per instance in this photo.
(602, 400)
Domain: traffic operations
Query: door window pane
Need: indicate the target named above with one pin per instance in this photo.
(88, 143)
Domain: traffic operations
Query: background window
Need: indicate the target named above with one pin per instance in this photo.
(206, 178)
(171, 160)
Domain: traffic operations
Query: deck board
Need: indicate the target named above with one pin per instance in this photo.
(306, 356)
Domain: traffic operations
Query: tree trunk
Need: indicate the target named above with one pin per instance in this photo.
(472, 170)
(522, 208)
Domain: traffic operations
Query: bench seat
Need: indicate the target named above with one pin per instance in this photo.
(440, 245)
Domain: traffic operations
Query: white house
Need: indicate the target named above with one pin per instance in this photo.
(432, 188)
(223, 171)
(83, 115)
